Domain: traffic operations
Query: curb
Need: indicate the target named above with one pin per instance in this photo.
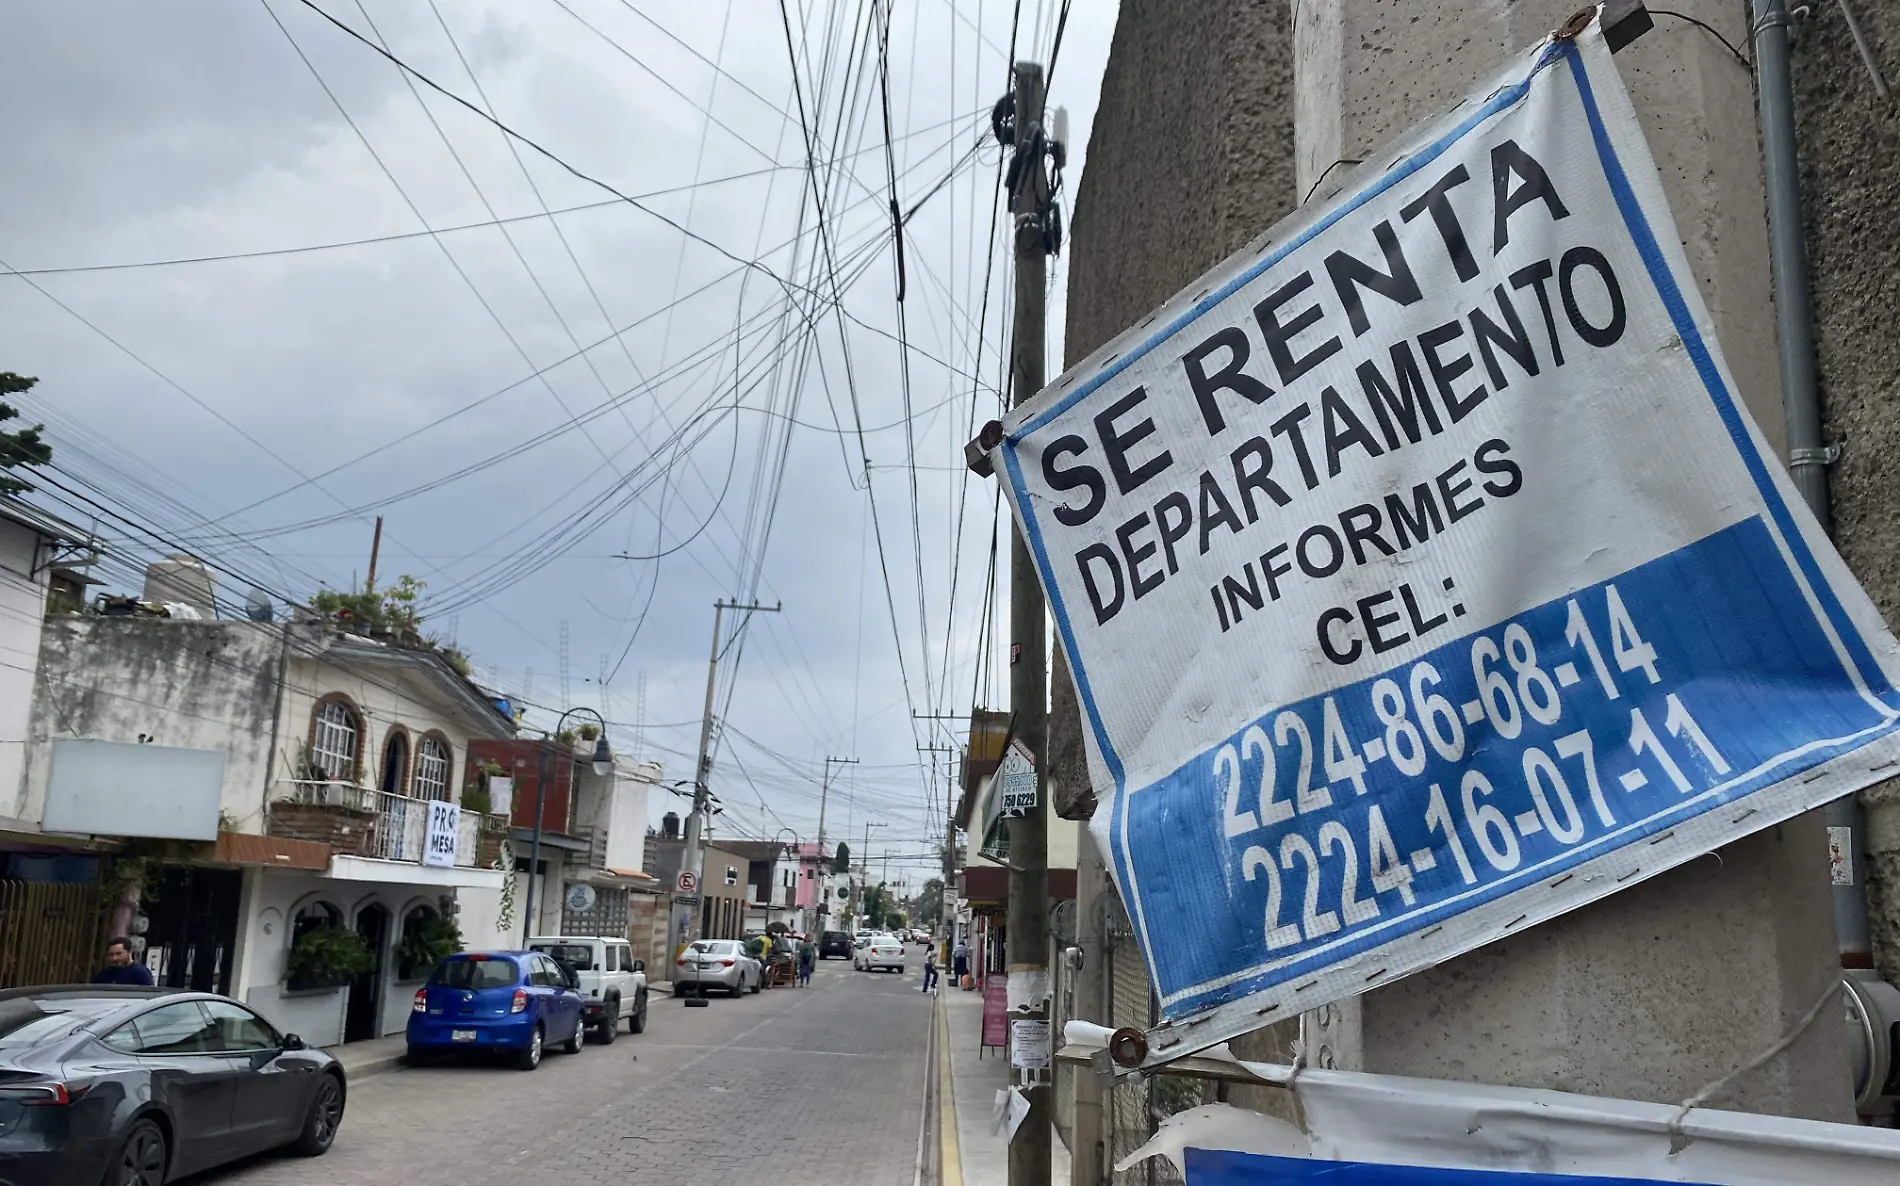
(370, 1067)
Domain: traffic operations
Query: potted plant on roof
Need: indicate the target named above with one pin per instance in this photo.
(327, 957)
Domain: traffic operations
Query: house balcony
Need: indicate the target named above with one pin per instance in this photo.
(360, 823)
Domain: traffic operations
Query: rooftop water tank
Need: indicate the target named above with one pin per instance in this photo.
(181, 578)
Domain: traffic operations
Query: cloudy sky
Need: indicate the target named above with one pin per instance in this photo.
(684, 360)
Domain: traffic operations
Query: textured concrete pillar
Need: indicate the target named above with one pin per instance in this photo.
(1850, 179)
(1655, 992)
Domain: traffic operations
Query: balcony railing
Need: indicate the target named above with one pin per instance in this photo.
(360, 821)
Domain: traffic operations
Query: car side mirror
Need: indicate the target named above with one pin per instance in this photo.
(293, 1042)
(639, 965)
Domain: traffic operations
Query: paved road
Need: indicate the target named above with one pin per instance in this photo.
(817, 1085)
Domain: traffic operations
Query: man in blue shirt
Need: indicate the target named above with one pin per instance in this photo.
(120, 969)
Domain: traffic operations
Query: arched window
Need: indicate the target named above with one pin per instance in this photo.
(432, 769)
(395, 761)
(314, 916)
(333, 740)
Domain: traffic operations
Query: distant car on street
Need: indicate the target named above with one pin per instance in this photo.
(136, 1086)
(885, 952)
(613, 985)
(832, 943)
(709, 964)
(512, 1001)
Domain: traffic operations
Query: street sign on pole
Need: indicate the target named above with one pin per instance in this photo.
(687, 882)
(1016, 780)
(1422, 575)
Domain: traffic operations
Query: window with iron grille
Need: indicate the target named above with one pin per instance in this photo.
(333, 747)
(432, 770)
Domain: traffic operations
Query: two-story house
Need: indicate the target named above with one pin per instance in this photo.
(265, 782)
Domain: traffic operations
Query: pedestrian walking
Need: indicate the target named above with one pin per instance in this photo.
(119, 967)
(807, 956)
(930, 968)
(960, 962)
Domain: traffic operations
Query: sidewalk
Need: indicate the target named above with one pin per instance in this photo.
(978, 1158)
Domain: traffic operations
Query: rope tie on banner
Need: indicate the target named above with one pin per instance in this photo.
(1678, 1141)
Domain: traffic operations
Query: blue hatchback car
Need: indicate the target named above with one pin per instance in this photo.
(515, 1001)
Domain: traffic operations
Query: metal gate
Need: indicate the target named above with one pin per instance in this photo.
(606, 917)
(1136, 1107)
(50, 934)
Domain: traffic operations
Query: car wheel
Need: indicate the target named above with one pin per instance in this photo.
(574, 1044)
(326, 1116)
(141, 1158)
(738, 990)
(637, 1024)
(610, 1028)
(530, 1055)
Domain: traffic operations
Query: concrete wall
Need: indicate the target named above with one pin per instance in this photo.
(1191, 156)
(1850, 179)
(195, 685)
(22, 608)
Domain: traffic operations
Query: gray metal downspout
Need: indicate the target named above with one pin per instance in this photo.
(1807, 455)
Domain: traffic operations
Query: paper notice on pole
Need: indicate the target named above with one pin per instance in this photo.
(1029, 1045)
(1422, 575)
(1008, 1113)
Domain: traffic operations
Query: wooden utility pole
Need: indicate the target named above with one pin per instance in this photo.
(375, 550)
(824, 791)
(693, 857)
(1027, 940)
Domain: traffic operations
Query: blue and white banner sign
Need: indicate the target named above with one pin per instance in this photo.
(1422, 575)
(1219, 1167)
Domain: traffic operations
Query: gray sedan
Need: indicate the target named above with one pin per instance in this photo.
(716, 963)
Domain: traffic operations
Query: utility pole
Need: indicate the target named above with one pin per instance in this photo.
(1027, 940)
(375, 551)
(694, 858)
(824, 789)
(946, 909)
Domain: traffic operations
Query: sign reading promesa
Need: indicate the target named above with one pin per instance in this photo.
(1422, 576)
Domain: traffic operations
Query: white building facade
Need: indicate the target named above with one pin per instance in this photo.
(329, 753)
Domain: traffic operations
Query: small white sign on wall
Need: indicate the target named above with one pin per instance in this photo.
(445, 820)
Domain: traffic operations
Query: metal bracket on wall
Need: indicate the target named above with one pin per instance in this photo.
(1823, 455)
(1622, 22)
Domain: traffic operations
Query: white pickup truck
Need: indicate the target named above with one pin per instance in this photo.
(613, 985)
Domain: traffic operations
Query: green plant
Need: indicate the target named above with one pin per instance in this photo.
(588, 731)
(453, 656)
(505, 861)
(425, 943)
(393, 609)
(329, 955)
(565, 737)
(22, 447)
(476, 798)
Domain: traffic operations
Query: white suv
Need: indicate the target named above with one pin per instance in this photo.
(613, 985)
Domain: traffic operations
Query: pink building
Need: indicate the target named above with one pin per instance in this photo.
(811, 877)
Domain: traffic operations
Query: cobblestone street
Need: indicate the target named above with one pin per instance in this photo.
(792, 1086)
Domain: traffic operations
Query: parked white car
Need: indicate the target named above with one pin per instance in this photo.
(613, 985)
(884, 952)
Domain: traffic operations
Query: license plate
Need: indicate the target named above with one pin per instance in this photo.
(462, 1035)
